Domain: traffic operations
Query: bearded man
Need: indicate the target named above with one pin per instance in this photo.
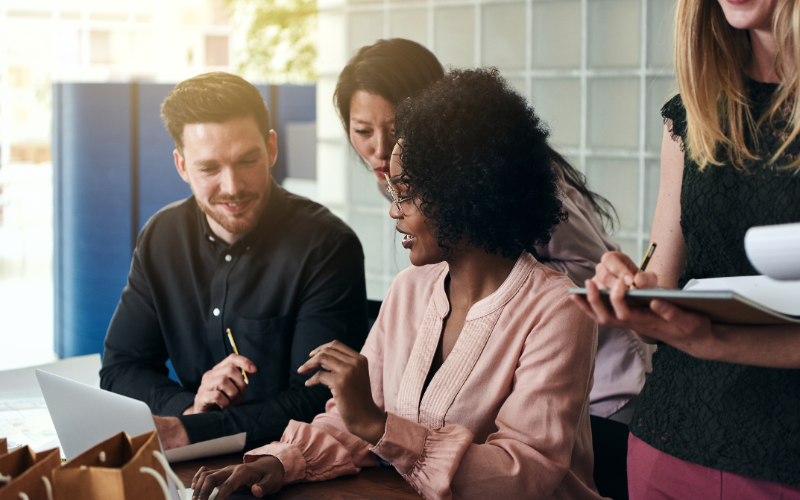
(279, 271)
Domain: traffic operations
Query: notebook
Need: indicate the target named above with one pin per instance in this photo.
(745, 300)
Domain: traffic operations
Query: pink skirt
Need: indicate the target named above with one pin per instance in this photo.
(655, 475)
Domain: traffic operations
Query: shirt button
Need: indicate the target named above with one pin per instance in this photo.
(228, 257)
(216, 311)
(211, 238)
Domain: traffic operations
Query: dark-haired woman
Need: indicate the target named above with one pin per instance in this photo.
(474, 381)
(376, 80)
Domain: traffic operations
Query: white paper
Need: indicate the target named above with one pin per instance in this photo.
(24, 420)
(780, 296)
(775, 250)
(210, 448)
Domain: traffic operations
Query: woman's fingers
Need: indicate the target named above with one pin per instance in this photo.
(645, 280)
(337, 346)
(617, 297)
(208, 480)
(240, 477)
(197, 476)
(684, 321)
(599, 310)
(614, 266)
(321, 377)
(333, 358)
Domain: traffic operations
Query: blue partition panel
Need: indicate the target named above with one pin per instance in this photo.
(159, 183)
(92, 191)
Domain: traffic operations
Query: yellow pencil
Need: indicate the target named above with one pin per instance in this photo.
(233, 344)
(643, 266)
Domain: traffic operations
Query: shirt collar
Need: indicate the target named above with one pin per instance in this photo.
(499, 298)
(270, 217)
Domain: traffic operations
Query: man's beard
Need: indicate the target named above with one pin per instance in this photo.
(234, 223)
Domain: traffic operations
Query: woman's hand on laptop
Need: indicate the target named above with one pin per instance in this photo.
(222, 386)
(263, 476)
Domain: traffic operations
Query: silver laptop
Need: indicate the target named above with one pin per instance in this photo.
(84, 416)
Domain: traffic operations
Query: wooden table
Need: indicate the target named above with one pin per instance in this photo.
(372, 483)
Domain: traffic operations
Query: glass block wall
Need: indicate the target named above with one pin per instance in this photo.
(598, 71)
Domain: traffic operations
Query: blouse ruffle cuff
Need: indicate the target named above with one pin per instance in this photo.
(402, 443)
(294, 463)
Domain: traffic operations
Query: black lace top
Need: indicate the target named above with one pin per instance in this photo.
(737, 418)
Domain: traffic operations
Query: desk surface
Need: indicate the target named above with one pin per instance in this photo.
(372, 483)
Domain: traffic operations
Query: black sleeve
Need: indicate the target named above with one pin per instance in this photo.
(333, 306)
(135, 355)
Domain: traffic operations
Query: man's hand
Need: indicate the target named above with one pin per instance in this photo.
(171, 432)
(222, 386)
(263, 477)
(347, 377)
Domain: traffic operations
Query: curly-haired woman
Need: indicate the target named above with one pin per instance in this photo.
(720, 415)
(376, 80)
(474, 381)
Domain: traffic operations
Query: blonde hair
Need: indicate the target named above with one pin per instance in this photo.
(711, 58)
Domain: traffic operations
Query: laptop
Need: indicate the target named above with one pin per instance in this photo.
(84, 416)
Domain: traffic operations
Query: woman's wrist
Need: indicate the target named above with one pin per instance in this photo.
(372, 428)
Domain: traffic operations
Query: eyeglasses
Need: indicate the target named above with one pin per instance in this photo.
(396, 198)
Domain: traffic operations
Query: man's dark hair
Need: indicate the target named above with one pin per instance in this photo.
(212, 98)
(476, 161)
(393, 69)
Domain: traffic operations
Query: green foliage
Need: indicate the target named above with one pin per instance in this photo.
(281, 39)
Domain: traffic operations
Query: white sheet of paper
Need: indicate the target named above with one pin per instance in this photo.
(24, 420)
(775, 250)
(780, 296)
(213, 447)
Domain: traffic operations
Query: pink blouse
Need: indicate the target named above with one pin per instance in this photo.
(505, 416)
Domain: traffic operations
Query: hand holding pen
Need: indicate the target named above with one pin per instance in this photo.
(225, 385)
(236, 351)
(643, 265)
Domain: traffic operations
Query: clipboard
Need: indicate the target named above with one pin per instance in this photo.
(720, 306)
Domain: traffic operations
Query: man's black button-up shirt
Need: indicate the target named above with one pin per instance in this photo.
(292, 284)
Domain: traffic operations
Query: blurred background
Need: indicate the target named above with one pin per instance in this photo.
(84, 160)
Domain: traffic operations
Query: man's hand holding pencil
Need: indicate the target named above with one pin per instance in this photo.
(223, 386)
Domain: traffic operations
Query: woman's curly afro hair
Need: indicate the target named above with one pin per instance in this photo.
(476, 162)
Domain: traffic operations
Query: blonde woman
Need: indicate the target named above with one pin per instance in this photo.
(720, 415)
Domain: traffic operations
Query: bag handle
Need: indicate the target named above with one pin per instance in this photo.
(48, 489)
(170, 473)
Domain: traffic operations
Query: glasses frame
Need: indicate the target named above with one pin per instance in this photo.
(396, 198)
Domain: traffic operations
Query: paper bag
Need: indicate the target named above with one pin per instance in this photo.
(25, 474)
(119, 468)
(3, 446)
